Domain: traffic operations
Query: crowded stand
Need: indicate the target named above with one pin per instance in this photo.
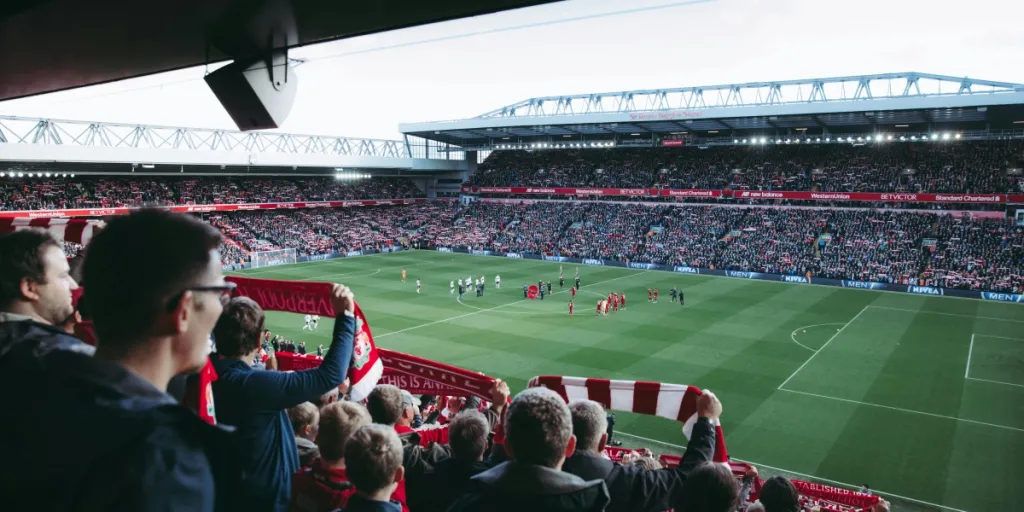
(111, 192)
(926, 167)
(322, 231)
(887, 246)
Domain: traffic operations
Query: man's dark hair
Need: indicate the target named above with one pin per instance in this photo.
(778, 494)
(21, 257)
(237, 331)
(138, 265)
(467, 435)
(538, 427)
(710, 487)
(589, 421)
(385, 404)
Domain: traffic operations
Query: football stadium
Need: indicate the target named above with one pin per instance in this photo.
(783, 295)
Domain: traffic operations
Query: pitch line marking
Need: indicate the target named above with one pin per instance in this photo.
(797, 473)
(792, 335)
(969, 352)
(840, 331)
(934, 415)
(489, 309)
(949, 314)
(995, 382)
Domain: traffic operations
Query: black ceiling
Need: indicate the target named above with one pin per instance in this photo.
(52, 45)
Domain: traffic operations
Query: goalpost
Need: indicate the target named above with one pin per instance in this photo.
(262, 259)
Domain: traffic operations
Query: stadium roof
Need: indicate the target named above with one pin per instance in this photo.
(854, 104)
(52, 140)
(52, 45)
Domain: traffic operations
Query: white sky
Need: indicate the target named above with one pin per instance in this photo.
(361, 87)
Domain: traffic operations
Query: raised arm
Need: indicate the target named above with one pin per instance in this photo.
(656, 490)
(283, 390)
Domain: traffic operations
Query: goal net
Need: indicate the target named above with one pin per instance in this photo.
(261, 259)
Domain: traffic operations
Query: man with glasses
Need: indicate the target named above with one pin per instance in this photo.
(114, 438)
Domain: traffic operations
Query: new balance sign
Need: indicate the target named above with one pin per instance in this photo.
(592, 262)
(924, 290)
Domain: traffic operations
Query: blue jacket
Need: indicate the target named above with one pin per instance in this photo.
(86, 434)
(255, 402)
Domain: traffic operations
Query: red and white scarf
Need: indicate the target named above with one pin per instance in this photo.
(416, 375)
(672, 401)
(315, 299)
(79, 231)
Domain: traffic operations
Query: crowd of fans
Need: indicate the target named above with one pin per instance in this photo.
(323, 230)
(927, 167)
(887, 246)
(111, 192)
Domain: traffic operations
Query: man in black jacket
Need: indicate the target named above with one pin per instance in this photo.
(538, 437)
(632, 488)
(115, 440)
(467, 436)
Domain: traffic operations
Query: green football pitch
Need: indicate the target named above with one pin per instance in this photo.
(919, 397)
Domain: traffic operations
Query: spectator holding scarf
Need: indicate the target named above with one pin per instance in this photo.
(256, 401)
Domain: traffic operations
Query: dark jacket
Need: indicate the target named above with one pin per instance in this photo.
(642, 490)
(360, 504)
(515, 487)
(308, 451)
(448, 482)
(113, 441)
(256, 403)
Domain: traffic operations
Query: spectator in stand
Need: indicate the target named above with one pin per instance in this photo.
(961, 167)
(710, 487)
(632, 488)
(778, 494)
(374, 456)
(36, 287)
(325, 485)
(155, 293)
(538, 438)
(256, 401)
(450, 479)
(305, 419)
(105, 192)
(645, 462)
(395, 408)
